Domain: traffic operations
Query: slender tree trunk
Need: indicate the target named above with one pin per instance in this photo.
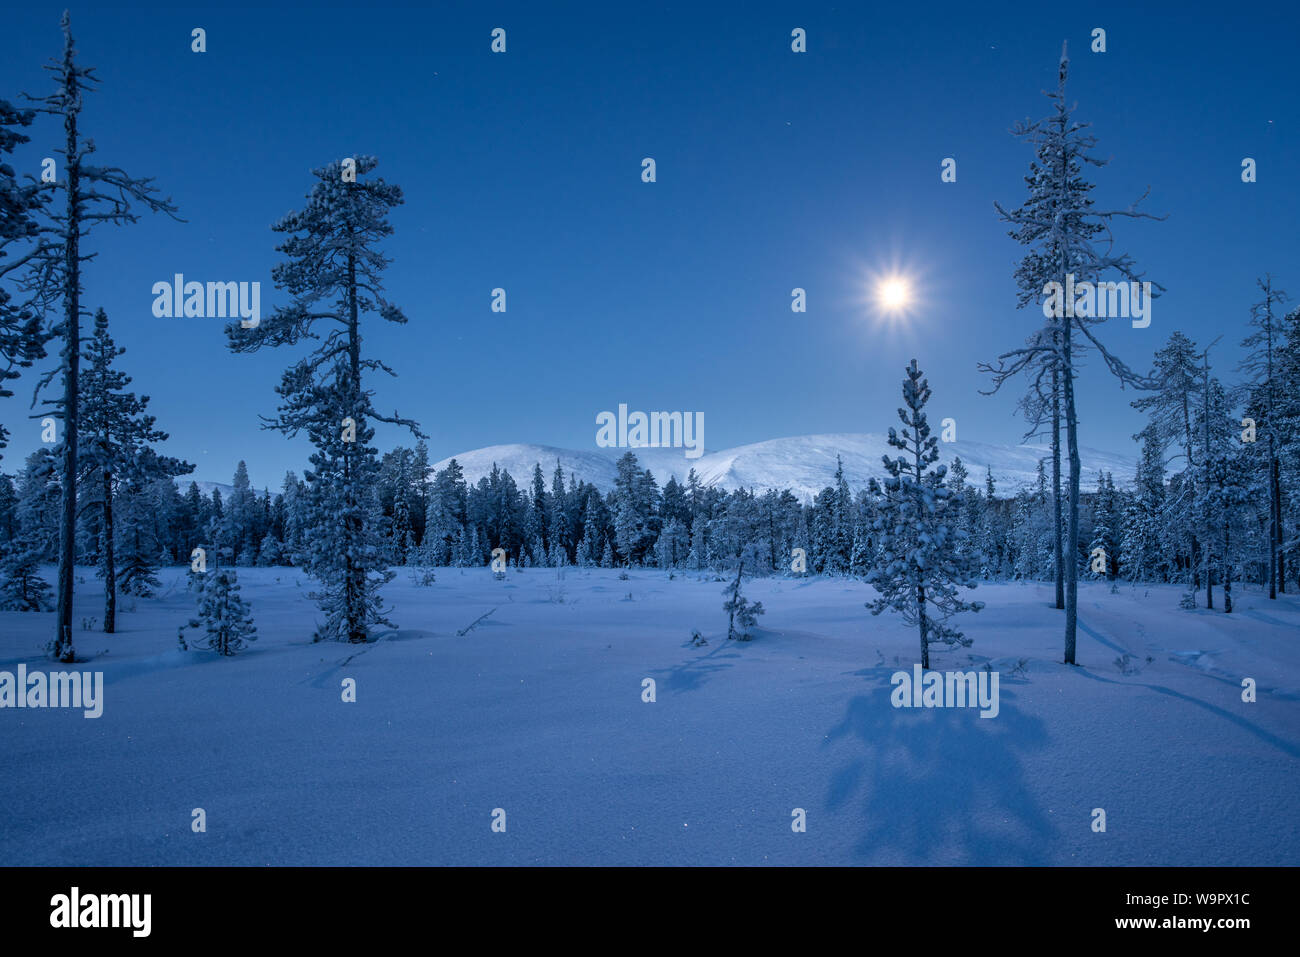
(1227, 566)
(63, 649)
(1277, 581)
(924, 624)
(1063, 366)
(1194, 564)
(1072, 540)
(771, 542)
(921, 619)
(1209, 536)
(355, 575)
(1056, 488)
(110, 563)
(731, 616)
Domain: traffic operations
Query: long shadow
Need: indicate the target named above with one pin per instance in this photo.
(1286, 747)
(940, 785)
(1265, 736)
(1097, 636)
(1266, 619)
(690, 675)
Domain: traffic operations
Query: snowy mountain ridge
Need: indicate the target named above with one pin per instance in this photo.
(804, 464)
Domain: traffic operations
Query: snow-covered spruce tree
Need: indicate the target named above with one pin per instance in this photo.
(398, 498)
(421, 484)
(973, 511)
(22, 335)
(116, 432)
(1059, 221)
(21, 585)
(291, 517)
(1230, 498)
(472, 554)
(239, 534)
(534, 523)
(1230, 484)
(742, 614)
(923, 556)
(1288, 415)
(8, 508)
(671, 546)
(832, 526)
(32, 539)
(1217, 500)
(92, 195)
(631, 511)
(589, 545)
(223, 615)
(1171, 406)
(137, 547)
(992, 534)
(333, 271)
(1105, 526)
(37, 511)
(559, 530)
(968, 496)
(1143, 533)
(345, 550)
(401, 540)
(1261, 367)
(822, 553)
(445, 515)
(271, 552)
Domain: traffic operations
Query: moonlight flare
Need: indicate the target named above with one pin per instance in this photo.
(894, 294)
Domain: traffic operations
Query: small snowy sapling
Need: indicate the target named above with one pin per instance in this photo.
(223, 614)
(742, 614)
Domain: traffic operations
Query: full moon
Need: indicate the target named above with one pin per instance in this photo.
(893, 294)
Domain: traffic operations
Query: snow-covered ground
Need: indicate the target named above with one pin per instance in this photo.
(538, 711)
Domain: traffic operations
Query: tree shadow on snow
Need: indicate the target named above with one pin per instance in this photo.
(1286, 747)
(940, 785)
(690, 675)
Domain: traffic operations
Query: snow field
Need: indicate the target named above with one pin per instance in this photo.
(538, 710)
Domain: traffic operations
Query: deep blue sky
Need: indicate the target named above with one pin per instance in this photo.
(775, 170)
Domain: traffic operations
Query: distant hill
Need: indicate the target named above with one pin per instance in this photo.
(804, 464)
(183, 483)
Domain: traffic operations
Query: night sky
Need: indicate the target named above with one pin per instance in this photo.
(775, 169)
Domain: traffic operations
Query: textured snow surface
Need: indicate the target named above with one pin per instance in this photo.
(538, 710)
(803, 464)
